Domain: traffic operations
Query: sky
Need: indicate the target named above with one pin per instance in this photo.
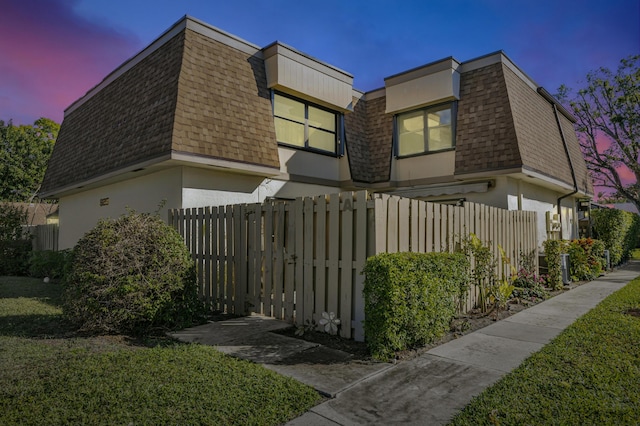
(53, 51)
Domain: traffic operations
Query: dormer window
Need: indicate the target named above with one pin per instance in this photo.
(302, 124)
(425, 130)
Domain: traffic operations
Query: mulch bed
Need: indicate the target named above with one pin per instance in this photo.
(460, 326)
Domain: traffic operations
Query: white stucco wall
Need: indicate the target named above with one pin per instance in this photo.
(514, 194)
(204, 188)
(180, 187)
(313, 165)
(80, 212)
(406, 170)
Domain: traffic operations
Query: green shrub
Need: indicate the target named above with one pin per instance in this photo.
(528, 283)
(483, 274)
(410, 298)
(586, 258)
(619, 230)
(552, 250)
(15, 241)
(130, 275)
(49, 263)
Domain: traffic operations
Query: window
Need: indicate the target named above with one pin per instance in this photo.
(425, 130)
(301, 124)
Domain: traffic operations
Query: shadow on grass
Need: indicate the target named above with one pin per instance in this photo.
(35, 326)
(31, 288)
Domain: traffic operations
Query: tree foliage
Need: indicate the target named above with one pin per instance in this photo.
(24, 153)
(608, 114)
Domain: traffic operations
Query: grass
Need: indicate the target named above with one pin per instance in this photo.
(589, 374)
(50, 375)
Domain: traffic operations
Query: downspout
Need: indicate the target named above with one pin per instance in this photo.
(554, 103)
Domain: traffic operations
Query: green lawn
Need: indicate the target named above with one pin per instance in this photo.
(588, 375)
(49, 375)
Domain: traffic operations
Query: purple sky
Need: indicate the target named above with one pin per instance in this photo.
(53, 51)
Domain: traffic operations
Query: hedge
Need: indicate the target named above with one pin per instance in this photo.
(619, 230)
(15, 242)
(586, 259)
(410, 298)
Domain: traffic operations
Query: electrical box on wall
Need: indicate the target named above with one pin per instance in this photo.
(553, 222)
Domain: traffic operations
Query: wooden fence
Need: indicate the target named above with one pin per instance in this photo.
(293, 260)
(44, 237)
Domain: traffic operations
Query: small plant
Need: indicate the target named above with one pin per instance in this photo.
(502, 290)
(483, 271)
(528, 284)
(307, 327)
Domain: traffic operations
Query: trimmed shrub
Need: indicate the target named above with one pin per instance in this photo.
(619, 230)
(15, 241)
(131, 275)
(49, 263)
(411, 298)
(552, 251)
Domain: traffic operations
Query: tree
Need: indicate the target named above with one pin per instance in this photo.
(608, 114)
(24, 153)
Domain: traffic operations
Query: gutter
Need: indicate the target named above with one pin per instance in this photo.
(555, 105)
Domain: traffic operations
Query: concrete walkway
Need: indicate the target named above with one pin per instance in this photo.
(429, 389)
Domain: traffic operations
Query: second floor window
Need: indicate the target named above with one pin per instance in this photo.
(301, 124)
(425, 130)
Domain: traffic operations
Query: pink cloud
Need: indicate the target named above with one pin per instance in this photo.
(51, 56)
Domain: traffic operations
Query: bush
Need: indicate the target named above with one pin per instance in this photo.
(528, 283)
(410, 298)
(619, 230)
(130, 275)
(48, 263)
(586, 257)
(15, 241)
(552, 251)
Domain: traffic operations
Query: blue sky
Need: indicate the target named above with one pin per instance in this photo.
(55, 50)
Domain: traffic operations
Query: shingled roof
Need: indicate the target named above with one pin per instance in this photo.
(199, 92)
(369, 140)
(503, 125)
(193, 95)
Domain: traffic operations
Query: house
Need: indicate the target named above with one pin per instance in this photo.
(37, 213)
(201, 117)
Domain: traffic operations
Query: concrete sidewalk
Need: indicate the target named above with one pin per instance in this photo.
(429, 389)
(432, 388)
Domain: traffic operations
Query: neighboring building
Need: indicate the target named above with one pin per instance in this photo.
(37, 213)
(201, 117)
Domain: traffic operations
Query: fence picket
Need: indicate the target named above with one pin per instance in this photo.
(346, 282)
(295, 260)
(309, 239)
(321, 256)
(268, 259)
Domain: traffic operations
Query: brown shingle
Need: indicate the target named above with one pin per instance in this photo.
(192, 95)
(224, 106)
(128, 121)
(369, 141)
(485, 134)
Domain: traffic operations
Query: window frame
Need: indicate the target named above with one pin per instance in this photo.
(339, 126)
(453, 106)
